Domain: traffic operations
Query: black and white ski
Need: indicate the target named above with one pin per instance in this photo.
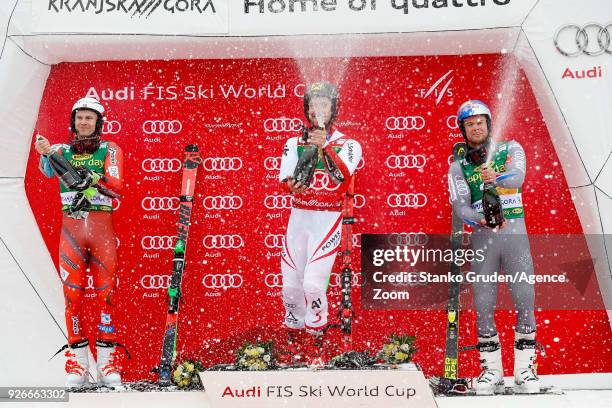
(452, 322)
(190, 169)
(346, 309)
(450, 380)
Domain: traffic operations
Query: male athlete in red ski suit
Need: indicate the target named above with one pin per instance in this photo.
(89, 244)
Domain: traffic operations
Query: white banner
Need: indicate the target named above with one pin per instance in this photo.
(300, 388)
(573, 43)
(273, 17)
(277, 17)
(174, 17)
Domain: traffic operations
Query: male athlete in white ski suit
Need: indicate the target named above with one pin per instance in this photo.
(315, 224)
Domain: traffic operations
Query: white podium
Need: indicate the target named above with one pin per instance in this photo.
(405, 386)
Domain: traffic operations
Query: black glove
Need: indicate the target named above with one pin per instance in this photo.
(79, 209)
(88, 178)
(305, 168)
(332, 168)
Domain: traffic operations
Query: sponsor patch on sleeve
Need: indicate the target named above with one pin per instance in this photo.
(113, 171)
(113, 155)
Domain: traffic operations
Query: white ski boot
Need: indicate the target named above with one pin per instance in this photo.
(109, 369)
(526, 380)
(491, 379)
(77, 364)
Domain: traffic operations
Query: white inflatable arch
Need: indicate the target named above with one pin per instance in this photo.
(573, 92)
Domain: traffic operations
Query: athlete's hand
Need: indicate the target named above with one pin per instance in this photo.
(317, 137)
(295, 186)
(488, 175)
(483, 222)
(42, 145)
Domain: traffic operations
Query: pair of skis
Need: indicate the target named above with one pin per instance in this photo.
(191, 163)
(190, 167)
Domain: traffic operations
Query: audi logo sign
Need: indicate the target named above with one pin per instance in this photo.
(592, 39)
(405, 123)
(274, 241)
(157, 242)
(111, 127)
(222, 163)
(407, 200)
(272, 163)
(222, 202)
(408, 239)
(274, 280)
(282, 124)
(451, 122)
(406, 161)
(159, 127)
(161, 165)
(223, 241)
(222, 281)
(275, 202)
(155, 281)
(322, 181)
(160, 203)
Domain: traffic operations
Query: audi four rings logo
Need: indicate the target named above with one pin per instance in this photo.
(161, 165)
(158, 127)
(111, 127)
(157, 242)
(222, 202)
(322, 181)
(222, 163)
(223, 241)
(406, 161)
(592, 39)
(408, 239)
(222, 281)
(155, 281)
(275, 202)
(405, 123)
(282, 125)
(274, 280)
(160, 203)
(274, 241)
(451, 122)
(272, 163)
(359, 200)
(410, 200)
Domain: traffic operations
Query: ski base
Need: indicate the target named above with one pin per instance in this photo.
(507, 391)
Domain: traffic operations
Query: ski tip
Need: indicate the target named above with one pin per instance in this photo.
(191, 148)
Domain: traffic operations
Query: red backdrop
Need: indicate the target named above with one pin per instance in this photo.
(231, 109)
